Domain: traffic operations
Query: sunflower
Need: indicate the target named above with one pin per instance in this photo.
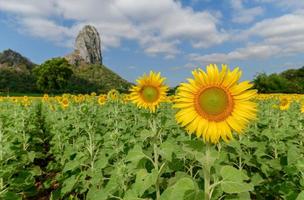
(113, 95)
(125, 98)
(302, 108)
(284, 103)
(15, 100)
(81, 98)
(45, 97)
(102, 99)
(149, 91)
(64, 102)
(26, 101)
(214, 104)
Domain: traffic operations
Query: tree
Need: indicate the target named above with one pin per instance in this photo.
(279, 83)
(53, 75)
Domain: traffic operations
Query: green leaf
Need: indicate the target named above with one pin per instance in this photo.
(300, 196)
(256, 179)
(97, 194)
(292, 155)
(244, 196)
(144, 181)
(231, 187)
(194, 195)
(194, 146)
(144, 134)
(233, 180)
(130, 195)
(231, 173)
(178, 190)
(31, 156)
(135, 154)
(71, 165)
(68, 184)
(101, 161)
(11, 196)
(166, 150)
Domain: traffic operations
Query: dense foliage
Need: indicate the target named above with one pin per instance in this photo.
(54, 75)
(95, 78)
(16, 73)
(289, 81)
(116, 151)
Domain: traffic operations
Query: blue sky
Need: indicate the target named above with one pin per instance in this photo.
(172, 37)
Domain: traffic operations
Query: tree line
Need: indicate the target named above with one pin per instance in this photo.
(289, 81)
(58, 76)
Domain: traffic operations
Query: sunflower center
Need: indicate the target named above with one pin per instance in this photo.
(150, 93)
(214, 103)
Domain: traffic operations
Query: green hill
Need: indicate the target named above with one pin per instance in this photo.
(16, 75)
(10, 58)
(96, 78)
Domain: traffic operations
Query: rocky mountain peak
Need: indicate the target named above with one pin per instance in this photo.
(87, 47)
(12, 58)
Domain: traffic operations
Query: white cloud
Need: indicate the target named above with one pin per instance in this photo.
(28, 7)
(249, 52)
(162, 47)
(280, 36)
(244, 15)
(45, 28)
(155, 25)
(283, 26)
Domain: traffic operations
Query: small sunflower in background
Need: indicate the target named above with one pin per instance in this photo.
(214, 104)
(113, 95)
(14, 99)
(64, 102)
(302, 108)
(125, 98)
(102, 99)
(149, 91)
(284, 103)
(26, 101)
(45, 97)
(25, 98)
(81, 98)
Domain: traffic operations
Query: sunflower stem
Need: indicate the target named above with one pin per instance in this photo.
(206, 171)
(156, 155)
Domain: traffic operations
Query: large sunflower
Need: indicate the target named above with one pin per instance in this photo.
(214, 104)
(149, 91)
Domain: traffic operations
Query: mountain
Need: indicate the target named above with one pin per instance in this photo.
(10, 58)
(87, 47)
(89, 73)
(16, 75)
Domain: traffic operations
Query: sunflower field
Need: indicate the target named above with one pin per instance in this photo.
(146, 145)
